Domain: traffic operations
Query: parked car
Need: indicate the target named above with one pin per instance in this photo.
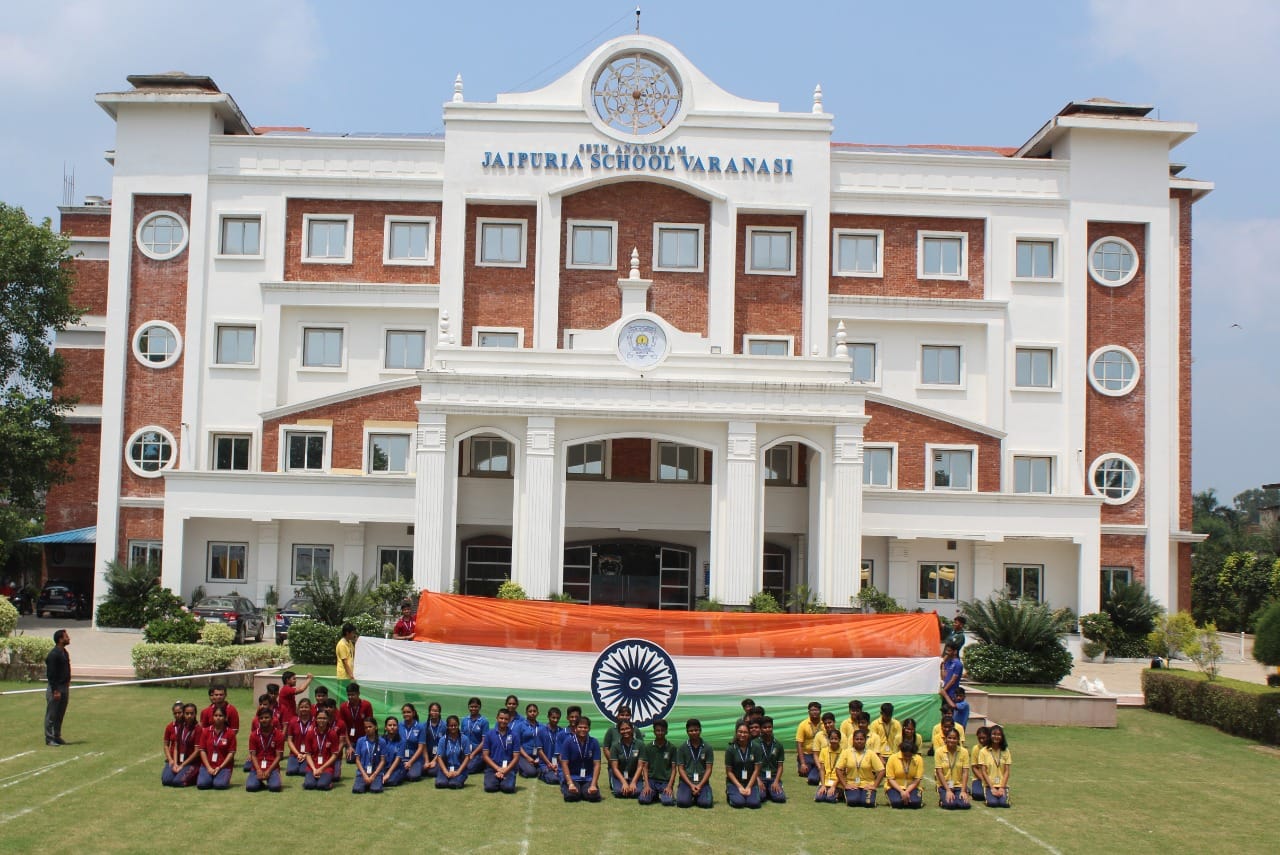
(297, 607)
(236, 612)
(58, 596)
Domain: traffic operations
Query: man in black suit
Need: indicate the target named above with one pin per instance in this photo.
(57, 666)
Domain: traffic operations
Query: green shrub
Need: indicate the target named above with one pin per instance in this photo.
(182, 628)
(1171, 635)
(1097, 627)
(1204, 649)
(8, 617)
(1129, 647)
(217, 635)
(562, 597)
(370, 626)
(991, 663)
(1025, 625)
(119, 615)
(878, 601)
(509, 590)
(1235, 708)
(311, 642)
(197, 594)
(766, 603)
(804, 600)
(181, 660)
(1132, 610)
(1093, 649)
(22, 657)
(129, 588)
(331, 602)
(708, 605)
(1266, 644)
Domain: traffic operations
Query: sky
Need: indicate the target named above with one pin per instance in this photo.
(979, 73)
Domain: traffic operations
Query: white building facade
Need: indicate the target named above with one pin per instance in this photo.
(636, 340)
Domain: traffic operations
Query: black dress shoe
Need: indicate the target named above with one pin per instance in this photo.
(51, 743)
(60, 740)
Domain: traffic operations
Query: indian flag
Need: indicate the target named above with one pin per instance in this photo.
(673, 665)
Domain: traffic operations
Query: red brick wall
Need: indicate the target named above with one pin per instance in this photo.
(90, 291)
(901, 250)
(1117, 316)
(71, 504)
(348, 418)
(158, 291)
(498, 296)
(1184, 361)
(1126, 550)
(769, 305)
(913, 431)
(139, 524)
(590, 299)
(82, 374)
(631, 459)
(1184, 576)
(87, 225)
(367, 240)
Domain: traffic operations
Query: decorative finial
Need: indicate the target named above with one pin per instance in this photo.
(637, 19)
(842, 349)
(457, 89)
(635, 263)
(444, 336)
(817, 98)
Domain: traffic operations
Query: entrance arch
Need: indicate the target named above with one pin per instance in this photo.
(790, 512)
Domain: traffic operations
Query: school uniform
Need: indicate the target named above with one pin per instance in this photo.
(860, 769)
(976, 790)
(265, 748)
(393, 774)
(952, 668)
(828, 758)
(549, 743)
(451, 755)
(287, 705)
(578, 761)
(413, 736)
(903, 773)
(475, 729)
(659, 761)
(297, 731)
(612, 738)
(351, 721)
(806, 733)
(743, 764)
(939, 739)
(961, 714)
(319, 748)
(626, 758)
(217, 747)
(697, 763)
(233, 717)
(888, 736)
(370, 754)
(501, 748)
(186, 747)
(953, 769)
(772, 760)
(529, 740)
(993, 763)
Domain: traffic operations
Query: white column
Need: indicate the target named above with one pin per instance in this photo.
(841, 578)
(536, 562)
(267, 562)
(901, 584)
(546, 313)
(737, 573)
(432, 517)
(720, 287)
(985, 580)
(171, 556)
(353, 551)
(1089, 579)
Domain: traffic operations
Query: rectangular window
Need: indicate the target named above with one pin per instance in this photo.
(311, 562)
(953, 469)
(1033, 474)
(1115, 577)
(771, 251)
(592, 245)
(236, 344)
(227, 562)
(1033, 367)
(145, 553)
(877, 467)
(862, 355)
(679, 248)
(868, 572)
(942, 256)
(1034, 259)
(496, 338)
(406, 349)
(328, 239)
(1023, 581)
(241, 236)
(388, 452)
(395, 562)
(304, 451)
(490, 455)
(409, 240)
(585, 460)
(677, 462)
(486, 568)
(322, 347)
(857, 254)
(777, 466)
(769, 346)
(937, 581)
(940, 365)
(501, 243)
(231, 452)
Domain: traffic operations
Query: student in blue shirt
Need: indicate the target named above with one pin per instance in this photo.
(393, 742)
(453, 756)
(433, 732)
(580, 764)
(960, 712)
(529, 737)
(475, 727)
(413, 751)
(570, 731)
(499, 754)
(370, 760)
(548, 739)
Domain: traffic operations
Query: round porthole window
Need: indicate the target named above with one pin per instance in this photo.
(1113, 370)
(150, 451)
(1113, 262)
(1115, 478)
(157, 344)
(162, 235)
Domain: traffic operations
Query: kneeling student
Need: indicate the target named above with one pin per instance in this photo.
(693, 764)
(951, 769)
(772, 762)
(829, 758)
(320, 752)
(413, 744)
(501, 753)
(266, 743)
(182, 752)
(580, 764)
(217, 753)
(624, 762)
(370, 760)
(656, 768)
(982, 737)
(393, 742)
(742, 761)
(296, 739)
(860, 772)
(453, 756)
(994, 761)
(902, 777)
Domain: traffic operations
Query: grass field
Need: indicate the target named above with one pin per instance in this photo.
(1154, 784)
(1026, 689)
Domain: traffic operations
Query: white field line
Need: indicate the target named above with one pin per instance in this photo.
(15, 756)
(9, 817)
(1026, 834)
(23, 777)
(528, 817)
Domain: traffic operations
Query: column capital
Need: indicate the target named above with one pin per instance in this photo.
(540, 436)
(742, 441)
(848, 444)
(432, 433)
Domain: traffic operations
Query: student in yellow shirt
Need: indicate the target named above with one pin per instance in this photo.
(829, 757)
(886, 731)
(951, 769)
(909, 734)
(806, 751)
(824, 735)
(940, 732)
(902, 776)
(850, 724)
(859, 772)
(995, 761)
(983, 738)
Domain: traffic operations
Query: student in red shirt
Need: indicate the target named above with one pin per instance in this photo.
(296, 739)
(322, 748)
(218, 699)
(403, 630)
(182, 755)
(351, 716)
(289, 692)
(217, 753)
(266, 744)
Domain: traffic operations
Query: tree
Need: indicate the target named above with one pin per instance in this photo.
(1266, 644)
(1248, 503)
(35, 301)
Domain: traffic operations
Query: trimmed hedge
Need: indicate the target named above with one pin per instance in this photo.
(182, 628)
(1244, 710)
(991, 663)
(311, 642)
(22, 657)
(179, 660)
(8, 617)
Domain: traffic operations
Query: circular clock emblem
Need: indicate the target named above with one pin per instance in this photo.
(638, 673)
(637, 93)
(642, 343)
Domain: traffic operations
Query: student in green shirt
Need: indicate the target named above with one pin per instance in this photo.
(624, 762)
(772, 756)
(656, 762)
(611, 735)
(742, 760)
(693, 764)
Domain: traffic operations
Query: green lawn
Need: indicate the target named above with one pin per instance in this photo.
(1025, 689)
(1075, 790)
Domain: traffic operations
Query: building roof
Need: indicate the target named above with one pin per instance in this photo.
(88, 534)
(926, 148)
